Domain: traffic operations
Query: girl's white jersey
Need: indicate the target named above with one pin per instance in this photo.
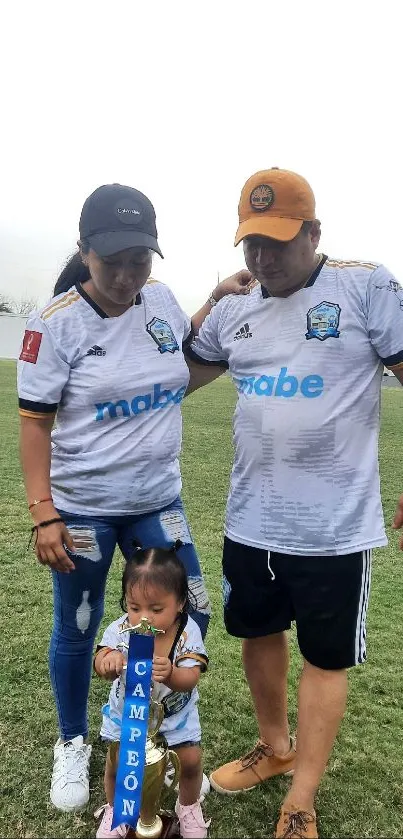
(181, 721)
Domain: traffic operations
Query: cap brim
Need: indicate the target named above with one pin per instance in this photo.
(275, 227)
(106, 244)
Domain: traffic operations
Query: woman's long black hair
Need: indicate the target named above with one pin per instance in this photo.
(73, 272)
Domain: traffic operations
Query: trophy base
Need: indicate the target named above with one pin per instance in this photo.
(169, 830)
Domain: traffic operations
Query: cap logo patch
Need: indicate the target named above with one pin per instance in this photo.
(129, 214)
(261, 197)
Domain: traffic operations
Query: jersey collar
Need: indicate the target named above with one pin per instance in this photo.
(81, 290)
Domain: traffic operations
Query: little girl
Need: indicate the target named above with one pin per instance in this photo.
(155, 586)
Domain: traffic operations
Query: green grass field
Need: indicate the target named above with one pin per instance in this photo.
(362, 792)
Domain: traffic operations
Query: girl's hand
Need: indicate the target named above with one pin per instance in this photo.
(162, 669)
(111, 665)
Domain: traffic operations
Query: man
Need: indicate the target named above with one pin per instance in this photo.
(306, 351)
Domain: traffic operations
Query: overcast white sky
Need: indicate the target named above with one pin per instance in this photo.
(185, 100)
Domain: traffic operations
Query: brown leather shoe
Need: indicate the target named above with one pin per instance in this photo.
(258, 765)
(296, 824)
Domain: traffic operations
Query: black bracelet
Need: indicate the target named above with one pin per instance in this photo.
(35, 528)
(46, 523)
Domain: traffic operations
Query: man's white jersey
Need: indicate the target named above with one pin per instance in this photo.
(308, 371)
(116, 384)
(181, 717)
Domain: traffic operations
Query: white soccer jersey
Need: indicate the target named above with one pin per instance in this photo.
(181, 721)
(308, 372)
(116, 384)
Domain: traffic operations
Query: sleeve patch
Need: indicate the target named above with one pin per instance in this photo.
(30, 346)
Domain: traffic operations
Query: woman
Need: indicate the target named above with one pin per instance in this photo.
(105, 359)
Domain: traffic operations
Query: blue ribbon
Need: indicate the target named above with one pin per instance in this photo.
(129, 778)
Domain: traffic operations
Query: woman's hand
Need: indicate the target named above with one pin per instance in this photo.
(162, 669)
(239, 283)
(50, 545)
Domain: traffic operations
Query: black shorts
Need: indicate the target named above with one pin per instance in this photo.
(327, 596)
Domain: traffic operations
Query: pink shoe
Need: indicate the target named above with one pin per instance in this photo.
(104, 831)
(191, 820)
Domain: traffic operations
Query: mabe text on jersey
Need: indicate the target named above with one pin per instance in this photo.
(139, 404)
(281, 384)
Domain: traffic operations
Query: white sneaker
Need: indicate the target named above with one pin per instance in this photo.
(70, 789)
(204, 789)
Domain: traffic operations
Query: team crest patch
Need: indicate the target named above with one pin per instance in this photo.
(323, 321)
(163, 335)
(261, 197)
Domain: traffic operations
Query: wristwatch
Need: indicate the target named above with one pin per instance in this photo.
(212, 300)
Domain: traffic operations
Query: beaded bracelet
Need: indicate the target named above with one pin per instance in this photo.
(41, 501)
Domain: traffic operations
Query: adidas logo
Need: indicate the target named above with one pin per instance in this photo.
(243, 332)
(96, 350)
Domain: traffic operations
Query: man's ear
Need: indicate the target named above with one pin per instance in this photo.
(315, 232)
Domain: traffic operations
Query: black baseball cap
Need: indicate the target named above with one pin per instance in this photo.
(117, 217)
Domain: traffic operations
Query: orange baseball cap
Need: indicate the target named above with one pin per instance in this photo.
(274, 203)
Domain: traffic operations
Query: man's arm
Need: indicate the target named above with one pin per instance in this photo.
(384, 303)
(398, 519)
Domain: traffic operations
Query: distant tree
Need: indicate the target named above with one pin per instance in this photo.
(5, 305)
(25, 305)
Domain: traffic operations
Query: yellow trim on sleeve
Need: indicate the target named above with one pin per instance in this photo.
(151, 280)
(70, 297)
(396, 366)
(33, 415)
(201, 659)
(350, 263)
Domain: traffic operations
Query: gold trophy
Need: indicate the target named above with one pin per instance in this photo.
(152, 822)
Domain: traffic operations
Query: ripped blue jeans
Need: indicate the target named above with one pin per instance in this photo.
(79, 597)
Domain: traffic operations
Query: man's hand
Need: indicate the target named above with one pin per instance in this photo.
(111, 665)
(239, 283)
(162, 669)
(398, 519)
